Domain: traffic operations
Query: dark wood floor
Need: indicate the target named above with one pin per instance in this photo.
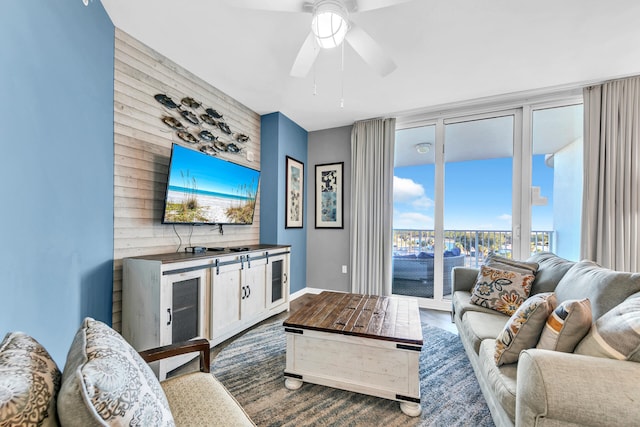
(440, 319)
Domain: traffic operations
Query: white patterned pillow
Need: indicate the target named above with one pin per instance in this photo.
(522, 331)
(566, 326)
(29, 383)
(615, 335)
(503, 263)
(501, 290)
(106, 382)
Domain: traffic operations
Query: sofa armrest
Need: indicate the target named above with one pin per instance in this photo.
(463, 278)
(575, 389)
(199, 345)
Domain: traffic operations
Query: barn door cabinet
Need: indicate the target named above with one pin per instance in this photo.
(214, 295)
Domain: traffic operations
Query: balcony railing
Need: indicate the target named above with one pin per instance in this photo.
(474, 244)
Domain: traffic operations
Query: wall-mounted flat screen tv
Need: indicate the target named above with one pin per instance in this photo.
(202, 189)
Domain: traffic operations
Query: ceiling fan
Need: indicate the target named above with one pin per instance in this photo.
(330, 26)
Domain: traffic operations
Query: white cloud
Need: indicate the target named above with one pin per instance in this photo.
(505, 217)
(412, 221)
(423, 203)
(406, 190)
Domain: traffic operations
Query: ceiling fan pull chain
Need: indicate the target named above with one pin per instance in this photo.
(315, 87)
(342, 80)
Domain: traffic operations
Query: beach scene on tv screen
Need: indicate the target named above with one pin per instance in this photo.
(204, 189)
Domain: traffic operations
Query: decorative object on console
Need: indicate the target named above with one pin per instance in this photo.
(329, 195)
(566, 326)
(501, 290)
(523, 328)
(294, 193)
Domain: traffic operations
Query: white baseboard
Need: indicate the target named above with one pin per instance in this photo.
(305, 291)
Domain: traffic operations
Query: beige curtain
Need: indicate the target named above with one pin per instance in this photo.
(372, 144)
(610, 211)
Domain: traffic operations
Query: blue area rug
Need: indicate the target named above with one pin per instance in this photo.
(252, 370)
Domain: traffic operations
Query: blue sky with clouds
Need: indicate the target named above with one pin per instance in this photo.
(478, 195)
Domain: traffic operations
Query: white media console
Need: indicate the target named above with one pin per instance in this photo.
(174, 297)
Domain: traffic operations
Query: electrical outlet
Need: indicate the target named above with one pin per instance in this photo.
(344, 269)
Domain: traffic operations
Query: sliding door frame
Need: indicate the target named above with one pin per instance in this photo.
(522, 112)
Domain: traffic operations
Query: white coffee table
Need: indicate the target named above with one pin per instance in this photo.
(361, 343)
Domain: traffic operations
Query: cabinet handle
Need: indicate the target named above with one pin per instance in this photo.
(169, 311)
(249, 289)
(285, 278)
(248, 262)
(244, 292)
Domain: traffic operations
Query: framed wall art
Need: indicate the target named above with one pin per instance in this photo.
(294, 193)
(329, 195)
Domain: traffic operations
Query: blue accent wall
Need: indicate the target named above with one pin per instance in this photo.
(56, 168)
(281, 137)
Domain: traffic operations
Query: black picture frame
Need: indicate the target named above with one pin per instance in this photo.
(329, 197)
(294, 194)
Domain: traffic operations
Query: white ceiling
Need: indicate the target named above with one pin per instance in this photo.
(552, 130)
(447, 51)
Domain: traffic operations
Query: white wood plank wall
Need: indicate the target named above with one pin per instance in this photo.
(142, 147)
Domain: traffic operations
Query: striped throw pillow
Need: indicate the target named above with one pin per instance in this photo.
(615, 335)
(566, 326)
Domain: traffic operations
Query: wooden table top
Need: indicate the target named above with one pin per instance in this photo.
(369, 316)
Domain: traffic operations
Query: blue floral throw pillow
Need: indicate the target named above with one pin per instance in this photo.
(501, 290)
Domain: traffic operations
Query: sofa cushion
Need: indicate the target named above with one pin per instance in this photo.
(501, 290)
(503, 263)
(500, 379)
(605, 288)
(477, 326)
(461, 302)
(552, 269)
(616, 334)
(198, 399)
(566, 326)
(29, 382)
(106, 382)
(523, 328)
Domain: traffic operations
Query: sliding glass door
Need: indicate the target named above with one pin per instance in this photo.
(507, 181)
(452, 201)
(413, 212)
(478, 187)
(556, 192)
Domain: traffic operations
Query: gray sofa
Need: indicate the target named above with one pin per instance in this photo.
(551, 388)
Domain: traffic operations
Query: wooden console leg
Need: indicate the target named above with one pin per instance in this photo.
(292, 383)
(410, 408)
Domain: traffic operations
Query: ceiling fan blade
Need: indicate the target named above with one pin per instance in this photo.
(306, 57)
(370, 50)
(364, 5)
(273, 5)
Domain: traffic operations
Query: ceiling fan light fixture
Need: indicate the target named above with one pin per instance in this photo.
(329, 24)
